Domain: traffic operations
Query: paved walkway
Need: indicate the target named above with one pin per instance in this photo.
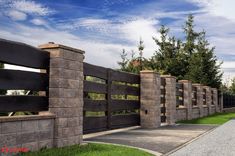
(219, 142)
(161, 140)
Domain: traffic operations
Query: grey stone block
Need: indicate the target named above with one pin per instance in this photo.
(30, 126)
(11, 127)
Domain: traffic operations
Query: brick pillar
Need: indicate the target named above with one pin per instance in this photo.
(208, 99)
(170, 99)
(199, 98)
(215, 99)
(187, 97)
(150, 99)
(66, 93)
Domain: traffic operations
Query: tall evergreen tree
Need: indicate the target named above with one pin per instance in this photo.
(203, 65)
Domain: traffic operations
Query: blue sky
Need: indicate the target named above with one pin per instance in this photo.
(104, 27)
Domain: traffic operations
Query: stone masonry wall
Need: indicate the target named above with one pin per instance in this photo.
(31, 132)
(181, 114)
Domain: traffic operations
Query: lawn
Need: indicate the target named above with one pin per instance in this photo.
(91, 149)
(218, 118)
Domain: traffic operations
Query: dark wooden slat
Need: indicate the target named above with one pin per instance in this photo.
(163, 118)
(95, 71)
(162, 100)
(124, 90)
(194, 102)
(179, 102)
(94, 87)
(23, 103)
(125, 77)
(16, 79)
(120, 120)
(94, 124)
(194, 89)
(163, 109)
(163, 91)
(179, 93)
(117, 105)
(163, 81)
(179, 85)
(95, 105)
(23, 55)
(109, 99)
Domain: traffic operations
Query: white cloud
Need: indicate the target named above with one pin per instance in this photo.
(38, 21)
(17, 15)
(30, 7)
(224, 8)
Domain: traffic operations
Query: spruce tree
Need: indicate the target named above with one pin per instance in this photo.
(203, 65)
(124, 61)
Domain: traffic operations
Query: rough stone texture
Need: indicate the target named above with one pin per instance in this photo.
(181, 114)
(199, 98)
(66, 93)
(215, 99)
(170, 99)
(150, 99)
(208, 99)
(213, 110)
(32, 133)
(195, 112)
(187, 97)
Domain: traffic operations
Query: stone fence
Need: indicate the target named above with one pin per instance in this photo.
(62, 124)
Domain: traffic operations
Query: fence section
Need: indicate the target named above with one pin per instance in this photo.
(163, 93)
(111, 99)
(228, 100)
(23, 55)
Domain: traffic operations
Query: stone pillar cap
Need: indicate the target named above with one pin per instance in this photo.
(197, 84)
(168, 76)
(149, 71)
(185, 81)
(52, 45)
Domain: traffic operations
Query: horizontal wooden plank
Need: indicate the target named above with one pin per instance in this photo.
(23, 103)
(117, 105)
(120, 120)
(179, 93)
(194, 88)
(94, 124)
(23, 80)
(163, 118)
(124, 77)
(163, 100)
(95, 71)
(179, 85)
(124, 90)
(94, 87)
(204, 96)
(163, 109)
(194, 102)
(95, 105)
(23, 55)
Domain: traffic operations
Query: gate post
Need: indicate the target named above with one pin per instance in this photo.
(187, 97)
(199, 98)
(170, 99)
(150, 115)
(66, 93)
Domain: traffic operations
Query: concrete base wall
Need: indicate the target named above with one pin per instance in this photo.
(181, 114)
(205, 111)
(196, 112)
(213, 110)
(229, 110)
(33, 132)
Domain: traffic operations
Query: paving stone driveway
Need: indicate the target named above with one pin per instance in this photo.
(163, 139)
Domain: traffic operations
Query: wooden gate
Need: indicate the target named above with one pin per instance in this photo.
(111, 99)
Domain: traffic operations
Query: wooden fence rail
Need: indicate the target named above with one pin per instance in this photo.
(23, 55)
